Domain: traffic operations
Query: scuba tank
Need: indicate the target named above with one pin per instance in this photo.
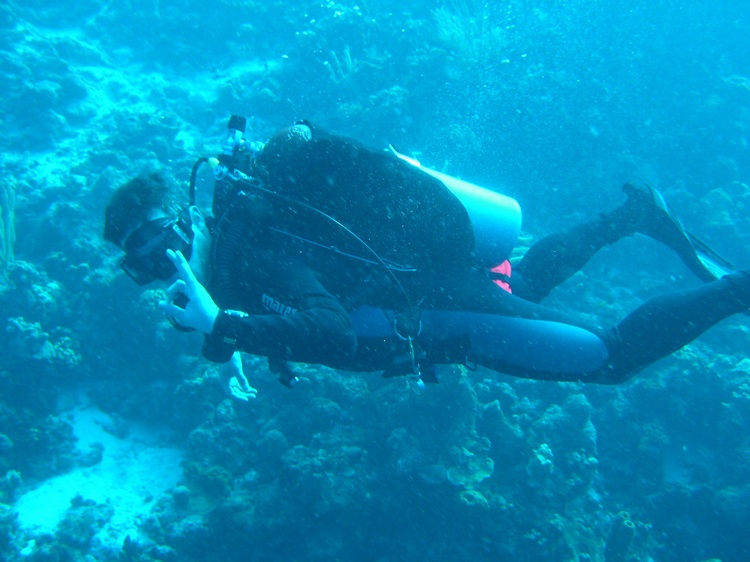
(495, 218)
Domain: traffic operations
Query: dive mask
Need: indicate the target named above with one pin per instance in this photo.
(146, 248)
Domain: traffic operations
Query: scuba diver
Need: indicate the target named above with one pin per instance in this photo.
(321, 250)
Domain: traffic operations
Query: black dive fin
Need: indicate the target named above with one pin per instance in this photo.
(711, 261)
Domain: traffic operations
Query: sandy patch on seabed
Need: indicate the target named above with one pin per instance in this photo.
(133, 472)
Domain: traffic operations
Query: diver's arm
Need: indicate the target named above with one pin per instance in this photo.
(311, 326)
(292, 317)
(233, 379)
(318, 333)
(200, 310)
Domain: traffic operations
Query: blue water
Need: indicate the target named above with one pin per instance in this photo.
(554, 103)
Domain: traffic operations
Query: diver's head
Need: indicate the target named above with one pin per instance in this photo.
(146, 247)
(144, 218)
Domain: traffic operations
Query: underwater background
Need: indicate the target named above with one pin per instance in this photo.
(116, 442)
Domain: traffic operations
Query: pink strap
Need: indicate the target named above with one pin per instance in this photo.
(505, 270)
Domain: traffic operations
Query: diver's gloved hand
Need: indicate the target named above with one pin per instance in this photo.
(233, 380)
(201, 311)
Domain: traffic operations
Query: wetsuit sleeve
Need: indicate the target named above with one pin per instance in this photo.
(301, 322)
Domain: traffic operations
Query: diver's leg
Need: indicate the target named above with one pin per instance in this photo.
(506, 333)
(510, 335)
(557, 257)
(667, 323)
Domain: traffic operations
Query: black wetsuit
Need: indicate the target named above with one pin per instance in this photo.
(302, 278)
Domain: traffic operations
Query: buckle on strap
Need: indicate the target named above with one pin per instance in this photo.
(407, 325)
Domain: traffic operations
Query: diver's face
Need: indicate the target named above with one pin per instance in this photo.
(146, 247)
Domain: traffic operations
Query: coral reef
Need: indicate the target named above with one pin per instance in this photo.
(7, 223)
(473, 32)
(620, 538)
